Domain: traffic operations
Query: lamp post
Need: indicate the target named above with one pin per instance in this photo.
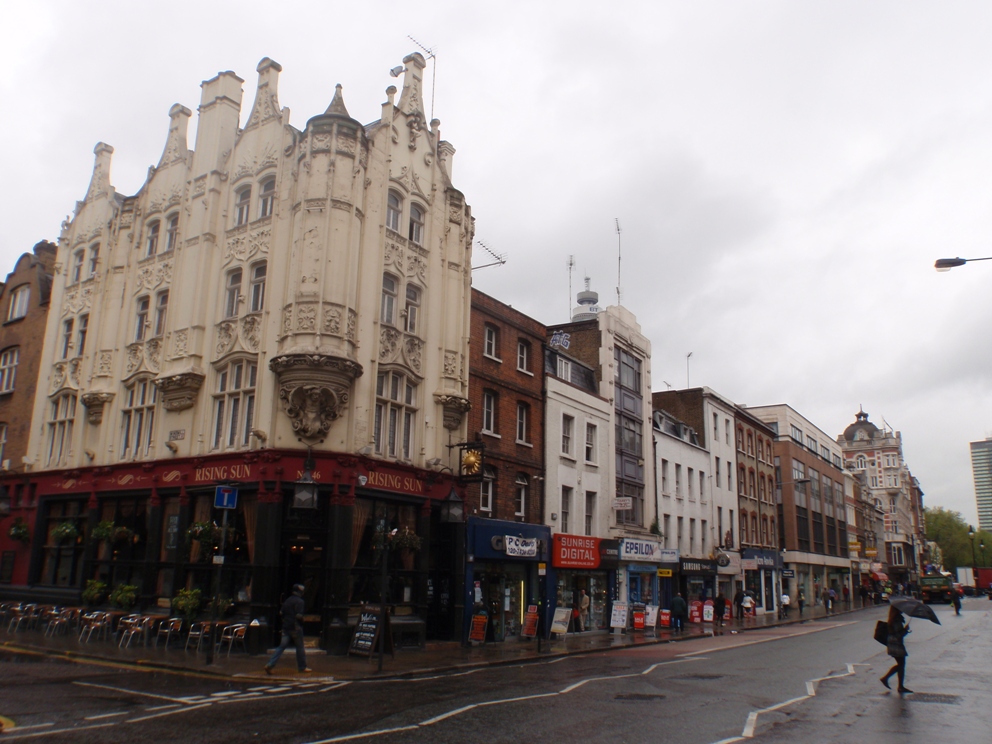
(974, 563)
(946, 264)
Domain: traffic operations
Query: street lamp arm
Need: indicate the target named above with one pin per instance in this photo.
(946, 264)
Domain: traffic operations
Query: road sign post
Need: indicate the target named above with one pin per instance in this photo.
(226, 498)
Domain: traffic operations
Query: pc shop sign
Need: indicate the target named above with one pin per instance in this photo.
(520, 547)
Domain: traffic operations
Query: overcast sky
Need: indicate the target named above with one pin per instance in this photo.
(784, 173)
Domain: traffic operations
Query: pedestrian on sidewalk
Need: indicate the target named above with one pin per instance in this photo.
(739, 605)
(583, 610)
(864, 596)
(747, 604)
(801, 601)
(832, 598)
(847, 597)
(784, 606)
(719, 608)
(292, 630)
(896, 648)
(680, 610)
(956, 599)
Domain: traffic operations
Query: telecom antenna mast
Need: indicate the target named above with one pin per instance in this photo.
(571, 265)
(432, 56)
(617, 221)
(498, 258)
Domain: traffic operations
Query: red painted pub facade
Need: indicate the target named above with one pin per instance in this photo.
(276, 537)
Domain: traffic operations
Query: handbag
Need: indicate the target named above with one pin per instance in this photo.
(882, 632)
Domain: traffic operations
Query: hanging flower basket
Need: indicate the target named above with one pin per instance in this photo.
(20, 531)
(64, 531)
(405, 539)
(204, 533)
(103, 532)
(122, 534)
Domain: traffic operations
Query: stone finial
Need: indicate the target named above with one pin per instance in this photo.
(266, 105)
(411, 99)
(176, 149)
(100, 181)
(337, 106)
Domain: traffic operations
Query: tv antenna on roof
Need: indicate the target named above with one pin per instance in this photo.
(499, 258)
(432, 56)
(617, 221)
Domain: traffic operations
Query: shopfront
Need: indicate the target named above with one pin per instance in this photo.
(761, 577)
(728, 572)
(589, 563)
(505, 571)
(640, 560)
(697, 579)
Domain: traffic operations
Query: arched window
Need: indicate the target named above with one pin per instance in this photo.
(234, 404)
(94, 258)
(266, 197)
(395, 413)
(387, 311)
(862, 462)
(76, 274)
(232, 297)
(138, 419)
(416, 224)
(258, 286)
(8, 368)
(171, 232)
(394, 209)
(151, 238)
(754, 528)
(412, 310)
(242, 206)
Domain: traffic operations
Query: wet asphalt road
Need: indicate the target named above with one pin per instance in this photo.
(697, 692)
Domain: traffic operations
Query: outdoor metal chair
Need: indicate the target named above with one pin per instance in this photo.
(232, 634)
(197, 631)
(95, 622)
(65, 621)
(171, 627)
(23, 618)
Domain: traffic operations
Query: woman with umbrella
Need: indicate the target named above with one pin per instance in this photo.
(898, 630)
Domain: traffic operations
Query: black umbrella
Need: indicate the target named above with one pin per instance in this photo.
(914, 608)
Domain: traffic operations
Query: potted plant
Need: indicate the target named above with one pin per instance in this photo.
(187, 603)
(94, 593)
(124, 596)
(65, 531)
(104, 531)
(121, 534)
(20, 531)
(204, 533)
(220, 605)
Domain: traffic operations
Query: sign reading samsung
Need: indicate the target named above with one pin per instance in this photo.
(640, 550)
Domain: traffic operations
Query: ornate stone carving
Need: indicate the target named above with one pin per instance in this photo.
(332, 320)
(134, 358)
(306, 317)
(416, 267)
(352, 323)
(394, 254)
(451, 364)
(413, 352)
(74, 367)
(59, 376)
(455, 407)
(94, 403)
(225, 337)
(313, 389)
(180, 343)
(179, 391)
(105, 364)
(287, 320)
(389, 340)
(153, 354)
(251, 332)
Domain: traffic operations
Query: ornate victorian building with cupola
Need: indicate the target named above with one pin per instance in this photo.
(280, 310)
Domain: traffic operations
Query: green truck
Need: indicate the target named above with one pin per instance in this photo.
(937, 588)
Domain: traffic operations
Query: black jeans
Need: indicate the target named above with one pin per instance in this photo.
(899, 670)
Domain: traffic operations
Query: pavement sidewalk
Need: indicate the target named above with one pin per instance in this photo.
(434, 657)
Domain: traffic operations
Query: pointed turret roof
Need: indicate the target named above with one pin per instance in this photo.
(337, 107)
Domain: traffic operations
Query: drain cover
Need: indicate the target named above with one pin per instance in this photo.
(639, 697)
(932, 697)
(700, 676)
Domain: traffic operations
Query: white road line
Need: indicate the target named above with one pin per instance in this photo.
(225, 693)
(167, 713)
(752, 718)
(129, 692)
(352, 737)
(105, 715)
(51, 732)
(163, 707)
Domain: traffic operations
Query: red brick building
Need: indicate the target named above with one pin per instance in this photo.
(506, 358)
(24, 301)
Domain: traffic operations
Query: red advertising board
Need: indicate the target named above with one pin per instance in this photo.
(638, 620)
(530, 622)
(478, 631)
(575, 551)
(665, 618)
(695, 611)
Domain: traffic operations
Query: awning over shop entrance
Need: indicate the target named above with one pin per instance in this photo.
(879, 576)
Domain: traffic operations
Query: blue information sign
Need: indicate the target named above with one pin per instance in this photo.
(226, 497)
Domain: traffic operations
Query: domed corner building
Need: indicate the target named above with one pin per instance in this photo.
(279, 312)
(891, 492)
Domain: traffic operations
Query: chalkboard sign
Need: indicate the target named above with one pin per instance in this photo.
(371, 630)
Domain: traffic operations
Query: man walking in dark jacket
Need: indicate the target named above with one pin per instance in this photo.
(679, 612)
(292, 630)
(739, 605)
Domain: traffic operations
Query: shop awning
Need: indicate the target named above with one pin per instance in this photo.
(879, 576)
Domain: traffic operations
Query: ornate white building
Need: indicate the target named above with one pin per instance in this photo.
(271, 290)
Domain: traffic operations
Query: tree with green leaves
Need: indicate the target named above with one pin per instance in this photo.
(949, 530)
